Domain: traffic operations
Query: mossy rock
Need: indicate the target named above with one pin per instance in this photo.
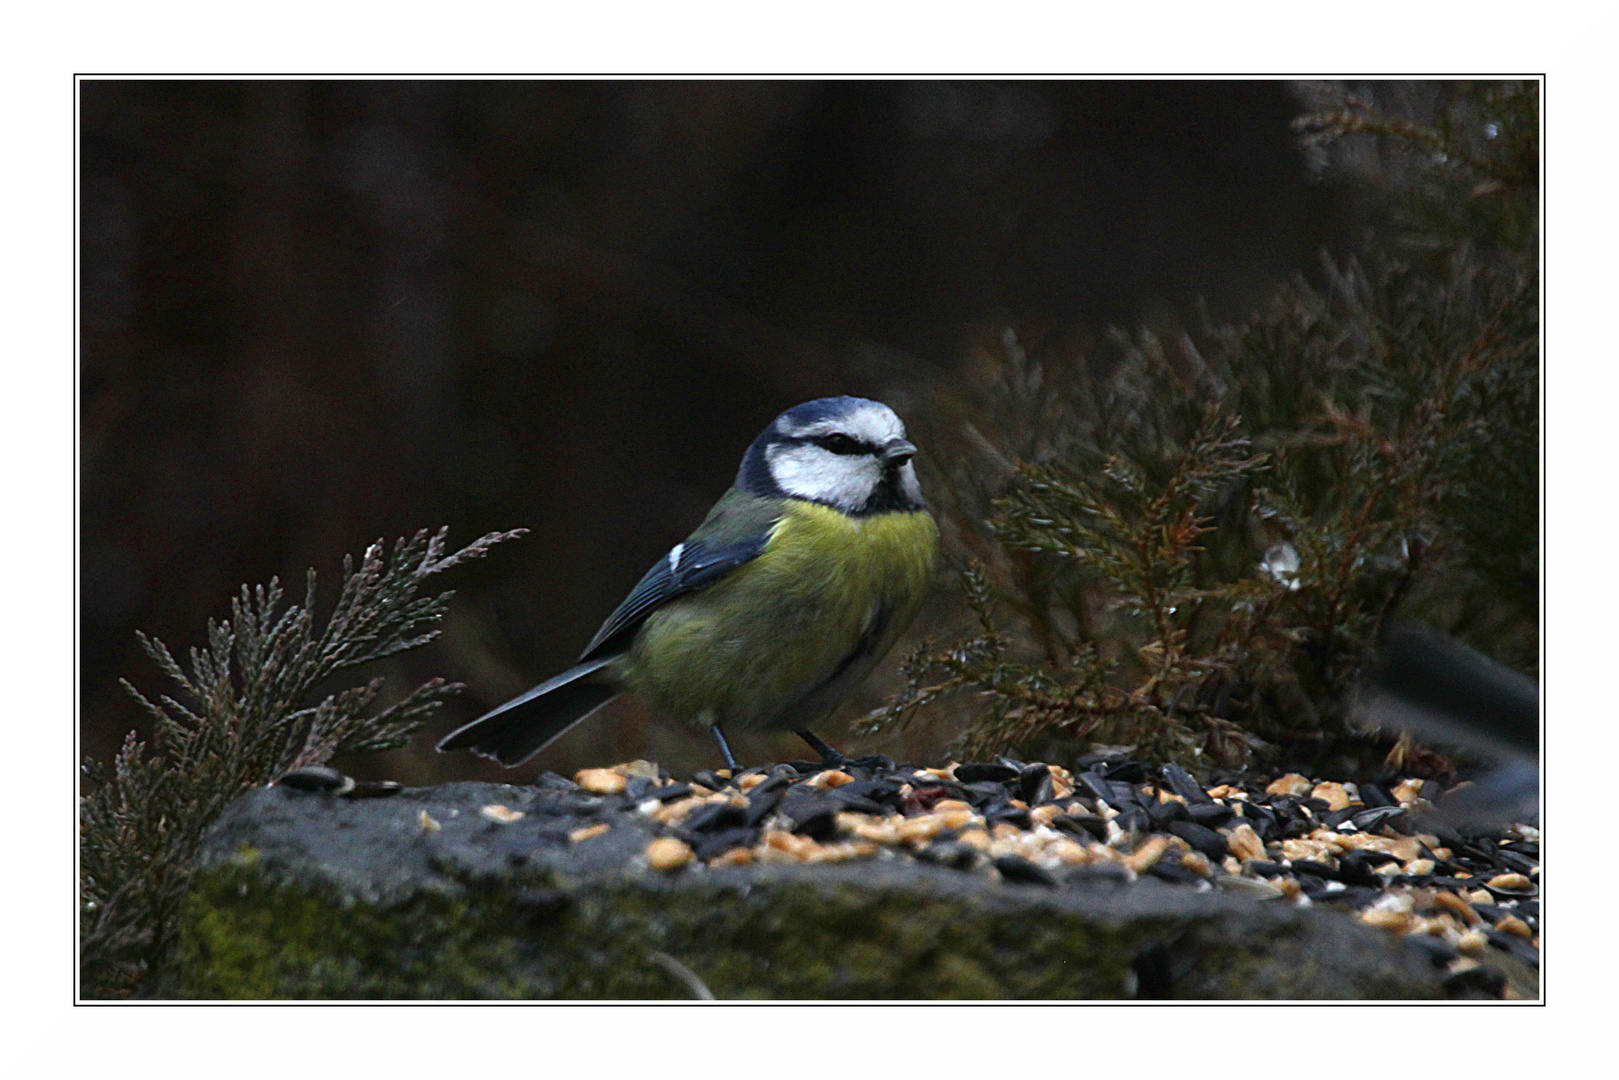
(303, 895)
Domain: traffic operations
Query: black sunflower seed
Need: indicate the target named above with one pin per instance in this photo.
(1099, 761)
(669, 792)
(1356, 896)
(713, 818)
(857, 803)
(1448, 836)
(876, 790)
(1313, 887)
(1034, 783)
(1130, 772)
(1171, 869)
(1021, 870)
(761, 801)
(1203, 839)
(1440, 881)
(1210, 814)
(949, 853)
(314, 778)
(1134, 819)
(983, 794)
(1126, 795)
(1286, 808)
(1086, 803)
(720, 842)
(1012, 815)
(1083, 826)
(1374, 818)
(1181, 783)
(1355, 869)
(1434, 950)
(1098, 787)
(980, 771)
(1296, 829)
(858, 789)
(1374, 796)
(814, 817)
(1164, 812)
(1260, 820)
(1514, 861)
(1337, 817)
(373, 789)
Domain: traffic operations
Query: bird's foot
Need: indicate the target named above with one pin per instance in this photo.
(831, 758)
(725, 748)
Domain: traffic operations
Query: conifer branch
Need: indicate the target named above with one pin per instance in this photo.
(246, 723)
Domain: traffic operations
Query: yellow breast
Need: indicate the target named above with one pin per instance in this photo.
(784, 635)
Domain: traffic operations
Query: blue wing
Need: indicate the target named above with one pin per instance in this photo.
(696, 564)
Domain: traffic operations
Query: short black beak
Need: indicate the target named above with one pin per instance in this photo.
(897, 451)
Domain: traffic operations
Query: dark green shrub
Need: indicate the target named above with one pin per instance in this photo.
(1187, 544)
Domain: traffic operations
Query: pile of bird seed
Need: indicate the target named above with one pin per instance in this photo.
(1372, 849)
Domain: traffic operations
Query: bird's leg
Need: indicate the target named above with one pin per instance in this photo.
(829, 756)
(725, 748)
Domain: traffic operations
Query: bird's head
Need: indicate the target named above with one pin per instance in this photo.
(848, 453)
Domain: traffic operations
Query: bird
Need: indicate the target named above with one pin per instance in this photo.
(801, 577)
(1427, 684)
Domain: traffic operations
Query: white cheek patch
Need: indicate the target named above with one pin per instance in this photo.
(806, 471)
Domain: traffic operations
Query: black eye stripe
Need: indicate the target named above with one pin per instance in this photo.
(839, 443)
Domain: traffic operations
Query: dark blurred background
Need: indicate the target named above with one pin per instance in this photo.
(319, 313)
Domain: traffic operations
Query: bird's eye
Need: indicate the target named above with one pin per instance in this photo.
(840, 444)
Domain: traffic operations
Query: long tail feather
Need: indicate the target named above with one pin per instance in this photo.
(528, 723)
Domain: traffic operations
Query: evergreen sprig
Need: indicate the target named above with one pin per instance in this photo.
(1138, 578)
(244, 721)
(1136, 540)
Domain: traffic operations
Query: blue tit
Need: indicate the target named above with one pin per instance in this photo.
(800, 579)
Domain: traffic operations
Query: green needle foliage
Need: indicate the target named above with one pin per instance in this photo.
(1187, 545)
(1140, 538)
(246, 721)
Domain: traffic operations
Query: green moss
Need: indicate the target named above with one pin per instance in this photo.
(246, 936)
(243, 937)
